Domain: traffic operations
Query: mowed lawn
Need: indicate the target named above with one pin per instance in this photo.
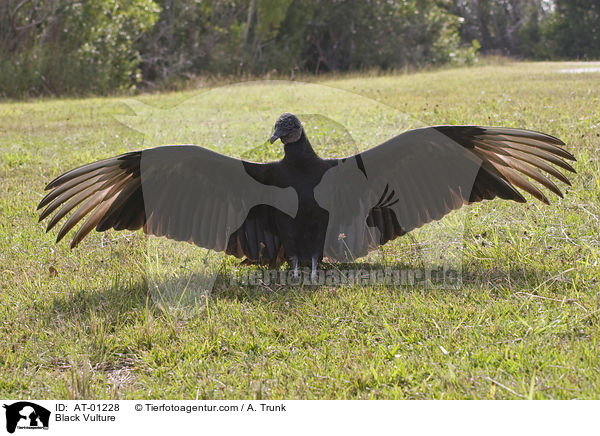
(524, 324)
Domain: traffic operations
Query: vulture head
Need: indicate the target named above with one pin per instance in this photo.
(288, 128)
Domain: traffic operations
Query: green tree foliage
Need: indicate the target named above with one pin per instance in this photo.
(101, 46)
(344, 35)
(535, 29)
(573, 31)
(102, 39)
(61, 47)
(510, 27)
(260, 36)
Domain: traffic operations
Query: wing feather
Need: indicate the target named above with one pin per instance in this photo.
(435, 170)
(92, 221)
(183, 192)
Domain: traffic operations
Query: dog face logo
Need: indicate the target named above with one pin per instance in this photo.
(24, 414)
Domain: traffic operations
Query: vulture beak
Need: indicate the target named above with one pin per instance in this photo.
(276, 135)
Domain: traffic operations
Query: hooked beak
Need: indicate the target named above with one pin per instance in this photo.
(276, 135)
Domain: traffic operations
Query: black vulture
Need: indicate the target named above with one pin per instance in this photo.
(304, 208)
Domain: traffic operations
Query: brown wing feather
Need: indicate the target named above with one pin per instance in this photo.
(183, 200)
(515, 154)
(510, 159)
(94, 184)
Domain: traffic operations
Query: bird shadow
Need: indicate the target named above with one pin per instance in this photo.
(189, 292)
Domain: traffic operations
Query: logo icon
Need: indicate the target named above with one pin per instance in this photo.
(26, 415)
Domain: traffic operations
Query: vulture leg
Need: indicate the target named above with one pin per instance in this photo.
(313, 272)
(294, 260)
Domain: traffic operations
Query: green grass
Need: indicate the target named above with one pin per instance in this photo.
(525, 323)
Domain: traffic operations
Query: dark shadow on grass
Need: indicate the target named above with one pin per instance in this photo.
(256, 284)
(119, 298)
(113, 301)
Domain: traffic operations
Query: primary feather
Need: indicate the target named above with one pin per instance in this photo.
(297, 208)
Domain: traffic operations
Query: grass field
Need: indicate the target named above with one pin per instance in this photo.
(524, 324)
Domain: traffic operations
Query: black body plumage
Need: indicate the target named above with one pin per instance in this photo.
(303, 208)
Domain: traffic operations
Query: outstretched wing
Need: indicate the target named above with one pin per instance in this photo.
(423, 174)
(183, 192)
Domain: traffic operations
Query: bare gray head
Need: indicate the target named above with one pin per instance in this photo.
(288, 128)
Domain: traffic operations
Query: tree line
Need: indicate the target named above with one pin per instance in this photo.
(59, 47)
